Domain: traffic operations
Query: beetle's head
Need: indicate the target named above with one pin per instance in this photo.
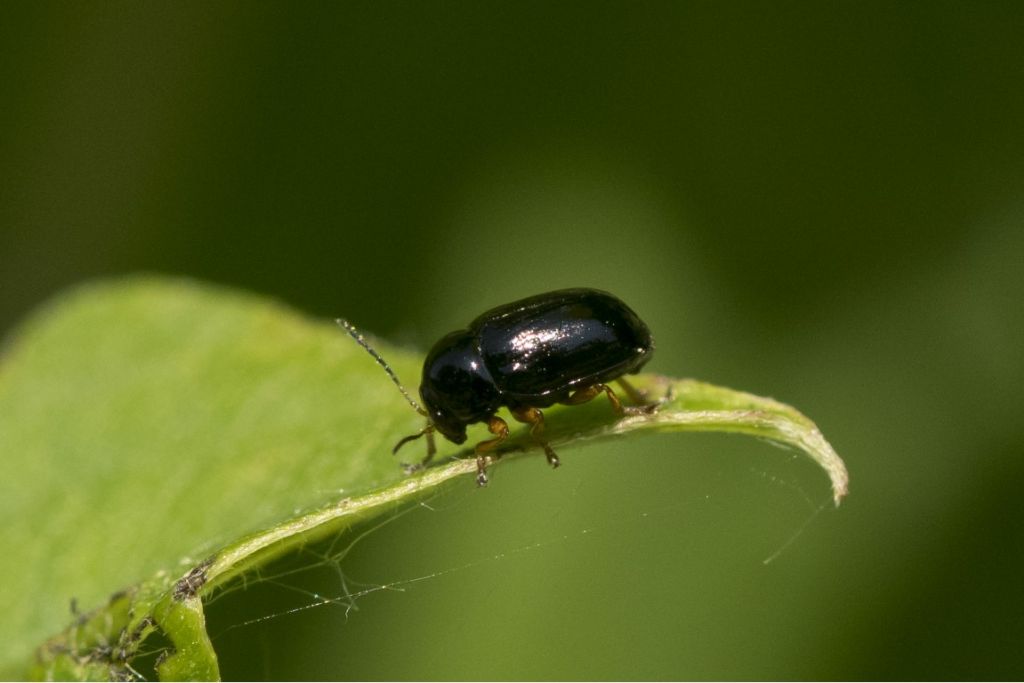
(457, 388)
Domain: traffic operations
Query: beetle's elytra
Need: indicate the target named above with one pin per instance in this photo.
(559, 347)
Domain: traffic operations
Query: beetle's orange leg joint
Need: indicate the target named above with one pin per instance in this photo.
(535, 418)
(499, 428)
(591, 392)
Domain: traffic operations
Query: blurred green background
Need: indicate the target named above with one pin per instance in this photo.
(819, 202)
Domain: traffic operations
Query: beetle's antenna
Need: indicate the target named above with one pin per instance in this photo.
(354, 333)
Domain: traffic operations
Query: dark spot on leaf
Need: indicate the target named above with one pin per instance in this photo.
(189, 585)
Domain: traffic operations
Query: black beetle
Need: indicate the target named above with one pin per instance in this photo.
(558, 347)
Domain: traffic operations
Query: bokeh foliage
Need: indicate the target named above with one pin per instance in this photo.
(818, 202)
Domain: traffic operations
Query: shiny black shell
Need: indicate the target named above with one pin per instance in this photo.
(532, 352)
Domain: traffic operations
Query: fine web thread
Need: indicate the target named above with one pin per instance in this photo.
(349, 593)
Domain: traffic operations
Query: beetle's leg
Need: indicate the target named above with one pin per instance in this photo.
(535, 418)
(431, 448)
(637, 396)
(427, 431)
(584, 395)
(499, 428)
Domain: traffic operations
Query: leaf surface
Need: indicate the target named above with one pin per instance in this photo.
(162, 438)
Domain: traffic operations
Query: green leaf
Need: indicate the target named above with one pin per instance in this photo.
(149, 426)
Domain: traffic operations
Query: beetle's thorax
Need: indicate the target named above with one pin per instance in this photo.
(457, 387)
